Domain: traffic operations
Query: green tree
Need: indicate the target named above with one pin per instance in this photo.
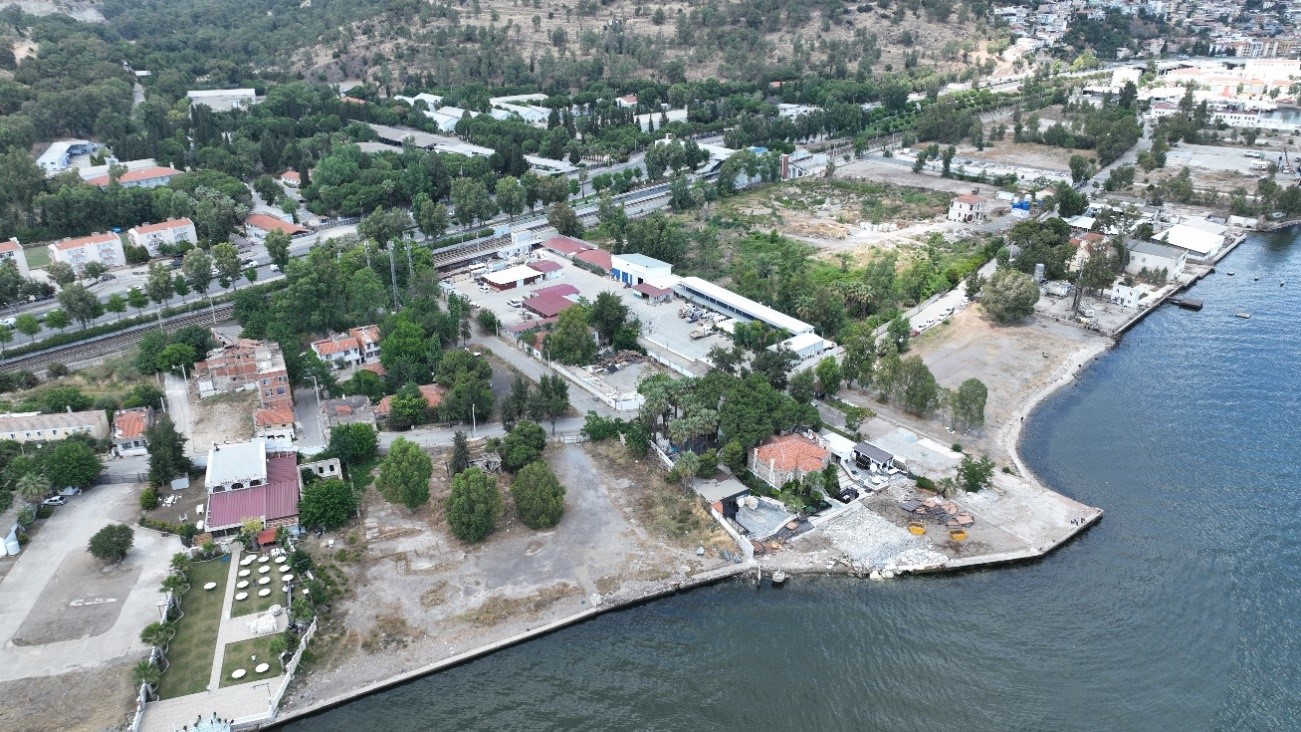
(71, 464)
(93, 270)
(407, 355)
(277, 243)
(607, 315)
(57, 319)
(510, 195)
(225, 258)
(916, 387)
(28, 325)
(408, 408)
(1009, 295)
(61, 273)
(135, 297)
(354, 444)
(404, 474)
(522, 445)
(733, 456)
(474, 505)
(829, 376)
(471, 201)
(197, 268)
(968, 405)
(80, 303)
(564, 219)
(975, 474)
(460, 459)
(111, 543)
(898, 332)
(159, 283)
(176, 356)
(166, 447)
(328, 503)
(33, 487)
(539, 497)
(571, 342)
(431, 217)
(116, 304)
(1080, 169)
(552, 398)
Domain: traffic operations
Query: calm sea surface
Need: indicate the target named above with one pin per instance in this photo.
(1178, 612)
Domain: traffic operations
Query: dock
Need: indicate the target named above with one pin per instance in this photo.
(1187, 303)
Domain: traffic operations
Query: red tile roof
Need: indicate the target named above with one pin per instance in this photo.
(278, 499)
(545, 265)
(272, 416)
(269, 223)
(134, 176)
(555, 290)
(376, 367)
(651, 290)
(432, 393)
(530, 325)
(548, 306)
(291, 176)
(129, 424)
(162, 226)
(792, 452)
(82, 241)
(566, 245)
(598, 257)
(335, 344)
(970, 198)
(10, 246)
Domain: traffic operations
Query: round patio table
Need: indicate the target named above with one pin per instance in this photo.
(264, 580)
(264, 592)
(238, 673)
(247, 560)
(244, 573)
(263, 570)
(241, 584)
(286, 578)
(281, 559)
(262, 668)
(263, 559)
(210, 586)
(241, 596)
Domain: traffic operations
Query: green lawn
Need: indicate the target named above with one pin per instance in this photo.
(255, 604)
(190, 654)
(239, 655)
(37, 257)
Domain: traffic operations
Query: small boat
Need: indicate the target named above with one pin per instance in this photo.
(1230, 273)
(916, 528)
(778, 578)
(958, 534)
(1243, 314)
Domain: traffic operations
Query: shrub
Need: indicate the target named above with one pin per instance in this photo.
(539, 497)
(111, 543)
(474, 505)
(924, 482)
(956, 447)
(149, 499)
(44, 512)
(167, 527)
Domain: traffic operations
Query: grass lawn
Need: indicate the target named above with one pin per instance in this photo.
(255, 604)
(239, 655)
(190, 654)
(37, 257)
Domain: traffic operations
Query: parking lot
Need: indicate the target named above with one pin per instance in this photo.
(667, 333)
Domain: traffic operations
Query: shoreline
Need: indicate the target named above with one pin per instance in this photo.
(1010, 438)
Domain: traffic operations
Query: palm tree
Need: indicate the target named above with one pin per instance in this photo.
(33, 487)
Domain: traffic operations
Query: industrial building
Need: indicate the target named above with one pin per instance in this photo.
(634, 269)
(729, 303)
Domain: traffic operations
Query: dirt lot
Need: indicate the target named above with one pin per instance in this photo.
(419, 594)
(899, 174)
(1024, 153)
(49, 703)
(82, 599)
(223, 418)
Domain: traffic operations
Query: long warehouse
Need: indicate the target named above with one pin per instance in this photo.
(728, 302)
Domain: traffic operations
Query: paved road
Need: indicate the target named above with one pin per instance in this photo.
(581, 400)
(64, 533)
(178, 406)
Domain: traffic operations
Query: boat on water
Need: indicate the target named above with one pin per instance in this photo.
(1243, 314)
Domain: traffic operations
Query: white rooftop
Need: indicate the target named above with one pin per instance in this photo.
(512, 275)
(744, 305)
(238, 462)
(1192, 239)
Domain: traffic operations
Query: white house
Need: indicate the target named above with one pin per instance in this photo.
(1126, 297)
(1154, 257)
(60, 153)
(103, 248)
(223, 100)
(626, 102)
(171, 231)
(969, 208)
(634, 269)
(12, 251)
(149, 177)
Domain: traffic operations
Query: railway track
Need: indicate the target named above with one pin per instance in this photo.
(83, 352)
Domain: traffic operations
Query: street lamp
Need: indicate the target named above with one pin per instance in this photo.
(474, 423)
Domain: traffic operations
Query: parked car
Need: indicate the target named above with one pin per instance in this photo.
(70, 491)
(275, 267)
(9, 322)
(54, 501)
(515, 302)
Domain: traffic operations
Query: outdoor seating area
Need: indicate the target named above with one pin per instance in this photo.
(272, 573)
(254, 659)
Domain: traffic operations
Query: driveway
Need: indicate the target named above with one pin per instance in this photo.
(178, 406)
(48, 582)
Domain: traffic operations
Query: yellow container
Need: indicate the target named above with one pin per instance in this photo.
(958, 534)
(916, 528)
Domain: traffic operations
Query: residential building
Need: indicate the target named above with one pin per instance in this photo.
(129, 427)
(787, 457)
(245, 365)
(627, 102)
(12, 251)
(634, 269)
(323, 469)
(291, 178)
(343, 350)
(274, 423)
(105, 249)
(432, 393)
(246, 481)
(1154, 257)
(171, 231)
(1126, 297)
(150, 177)
(223, 100)
(969, 208)
(37, 427)
(258, 225)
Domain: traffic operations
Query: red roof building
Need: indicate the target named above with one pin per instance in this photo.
(566, 246)
(555, 290)
(291, 178)
(653, 293)
(432, 393)
(786, 458)
(129, 427)
(548, 306)
(275, 503)
(150, 177)
(260, 224)
(596, 257)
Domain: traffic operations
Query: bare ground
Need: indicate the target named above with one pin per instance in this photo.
(223, 418)
(84, 701)
(414, 594)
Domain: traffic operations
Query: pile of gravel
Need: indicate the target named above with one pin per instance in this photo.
(870, 541)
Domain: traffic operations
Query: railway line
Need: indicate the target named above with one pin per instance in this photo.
(83, 352)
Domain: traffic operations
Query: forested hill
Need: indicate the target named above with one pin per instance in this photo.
(549, 43)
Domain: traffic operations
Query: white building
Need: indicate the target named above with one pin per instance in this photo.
(223, 100)
(969, 208)
(12, 251)
(805, 345)
(432, 101)
(729, 303)
(103, 248)
(634, 269)
(150, 177)
(1192, 238)
(1154, 257)
(1126, 297)
(60, 153)
(171, 231)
